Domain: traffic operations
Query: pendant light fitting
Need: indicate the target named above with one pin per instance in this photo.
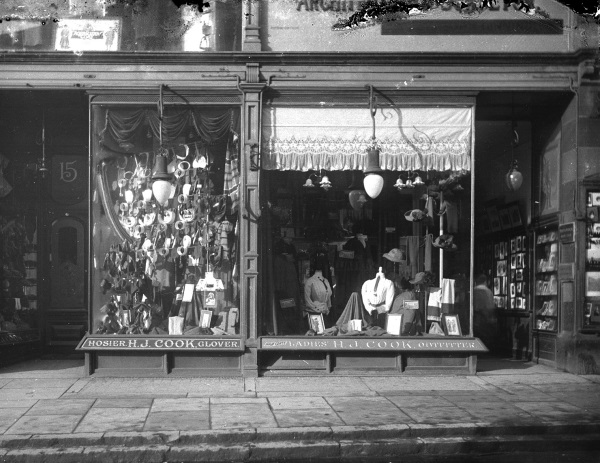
(373, 181)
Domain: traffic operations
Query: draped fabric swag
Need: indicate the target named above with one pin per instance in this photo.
(412, 138)
(123, 125)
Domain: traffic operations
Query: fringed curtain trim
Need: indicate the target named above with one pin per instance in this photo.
(337, 139)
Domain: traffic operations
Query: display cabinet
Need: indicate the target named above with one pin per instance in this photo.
(591, 314)
(546, 307)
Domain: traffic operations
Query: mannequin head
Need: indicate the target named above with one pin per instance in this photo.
(320, 263)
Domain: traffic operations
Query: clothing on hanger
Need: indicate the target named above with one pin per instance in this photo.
(448, 295)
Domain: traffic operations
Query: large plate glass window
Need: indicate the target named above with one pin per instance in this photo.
(164, 265)
(339, 262)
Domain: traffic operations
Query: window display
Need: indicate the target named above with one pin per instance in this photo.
(372, 269)
(164, 212)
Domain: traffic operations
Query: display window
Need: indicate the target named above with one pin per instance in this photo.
(164, 211)
(80, 26)
(344, 259)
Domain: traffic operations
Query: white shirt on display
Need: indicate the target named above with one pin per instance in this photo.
(378, 294)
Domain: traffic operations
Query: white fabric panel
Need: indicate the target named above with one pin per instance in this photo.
(428, 138)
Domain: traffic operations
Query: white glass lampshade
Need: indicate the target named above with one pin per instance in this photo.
(147, 195)
(373, 184)
(129, 196)
(161, 190)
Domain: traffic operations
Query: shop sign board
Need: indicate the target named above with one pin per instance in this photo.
(471, 345)
(161, 343)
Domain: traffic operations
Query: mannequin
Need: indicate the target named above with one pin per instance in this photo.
(378, 295)
(317, 292)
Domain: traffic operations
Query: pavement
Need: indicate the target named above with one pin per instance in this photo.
(51, 412)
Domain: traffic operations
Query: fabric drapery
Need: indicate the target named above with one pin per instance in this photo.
(231, 180)
(123, 125)
(411, 138)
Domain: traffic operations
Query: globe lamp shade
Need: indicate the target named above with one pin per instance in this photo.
(161, 185)
(514, 178)
(373, 184)
(357, 199)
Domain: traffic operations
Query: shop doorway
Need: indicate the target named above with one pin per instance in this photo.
(522, 128)
(44, 209)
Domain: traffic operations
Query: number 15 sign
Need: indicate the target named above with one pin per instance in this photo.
(69, 178)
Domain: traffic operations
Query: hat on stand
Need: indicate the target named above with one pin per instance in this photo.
(445, 242)
(416, 215)
(395, 255)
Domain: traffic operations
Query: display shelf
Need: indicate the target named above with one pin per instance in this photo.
(591, 313)
(546, 280)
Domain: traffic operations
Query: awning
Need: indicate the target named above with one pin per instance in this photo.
(410, 138)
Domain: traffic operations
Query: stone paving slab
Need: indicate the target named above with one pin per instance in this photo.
(238, 400)
(113, 419)
(61, 407)
(555, 411)
(46, 424)
(123, 403)
(39, 393)
(298, 403)
(184, 405)
(439, 415)
(367, 411)
(319, 385)
(177, 420)
(534, 379)
(36, 383)
(313, 417)
(246, 416)
(22, 403)
(416, 383)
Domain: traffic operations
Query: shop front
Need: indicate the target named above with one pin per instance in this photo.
(259, 205)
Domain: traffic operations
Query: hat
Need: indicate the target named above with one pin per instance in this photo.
(445, 242)
(395, 255)
(418, 279)
(416, 215)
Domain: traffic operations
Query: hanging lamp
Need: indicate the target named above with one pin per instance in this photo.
(513, 178)
(357, 196)
(373, 181)
(161, 185)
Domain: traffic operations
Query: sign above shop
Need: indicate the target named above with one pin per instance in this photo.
(471, 345)
(161, 343)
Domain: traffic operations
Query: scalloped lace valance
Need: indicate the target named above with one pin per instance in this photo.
(337, 138)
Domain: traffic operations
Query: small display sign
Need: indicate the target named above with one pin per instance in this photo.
(566, 232)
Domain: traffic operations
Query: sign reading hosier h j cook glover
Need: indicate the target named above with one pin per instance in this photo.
(159, 343)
